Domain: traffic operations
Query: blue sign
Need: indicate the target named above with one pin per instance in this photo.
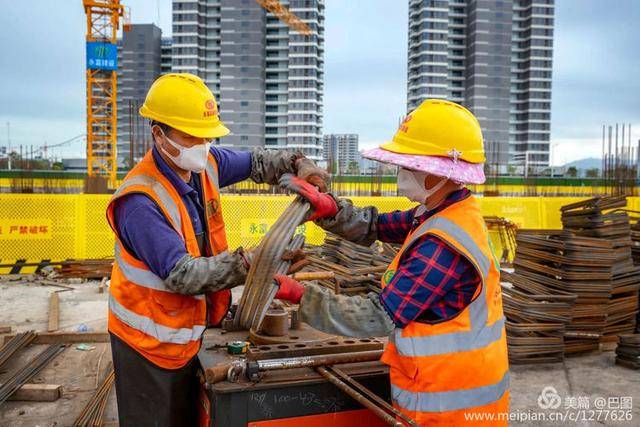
(102, 56)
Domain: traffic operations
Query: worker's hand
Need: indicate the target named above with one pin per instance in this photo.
(324, 206)
(307, 170)
(289, 289)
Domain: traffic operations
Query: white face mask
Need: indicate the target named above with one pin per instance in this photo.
(192, 159)
(411, 186)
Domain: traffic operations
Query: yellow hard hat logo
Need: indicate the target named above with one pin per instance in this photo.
(403, 126)
(211, 109)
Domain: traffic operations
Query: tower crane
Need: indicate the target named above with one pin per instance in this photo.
(103, 21)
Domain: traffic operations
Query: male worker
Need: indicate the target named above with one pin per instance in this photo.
(172, 273)
(440, 302)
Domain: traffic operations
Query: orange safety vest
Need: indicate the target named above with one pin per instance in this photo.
(164, 326)
(446, 373)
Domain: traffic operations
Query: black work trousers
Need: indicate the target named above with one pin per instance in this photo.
(152, 396)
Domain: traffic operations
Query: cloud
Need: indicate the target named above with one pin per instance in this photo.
(42, 92)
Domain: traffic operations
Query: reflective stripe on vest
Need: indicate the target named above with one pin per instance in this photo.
(140, 276)
(211, 172)
(441, 401)
(146, 325)
(159, 190)
(481, 334)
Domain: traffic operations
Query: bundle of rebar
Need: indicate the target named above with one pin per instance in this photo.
(537, 317)
(563, 262)
(91, 415)
(24, 374)
(628, 351)
(14, 345)
(506, 232)
(260, 288)
(358, 269)
(602, 218)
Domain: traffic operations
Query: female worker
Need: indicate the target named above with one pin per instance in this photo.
(440, 302)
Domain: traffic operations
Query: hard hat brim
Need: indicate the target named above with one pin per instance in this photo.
(400, 148)
(217, 130)
(458, 171)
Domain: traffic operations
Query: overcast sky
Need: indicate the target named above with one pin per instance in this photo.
(595, 73)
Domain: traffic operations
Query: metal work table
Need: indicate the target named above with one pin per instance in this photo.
(286, 394)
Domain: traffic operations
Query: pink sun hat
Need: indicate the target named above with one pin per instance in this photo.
(448, 167)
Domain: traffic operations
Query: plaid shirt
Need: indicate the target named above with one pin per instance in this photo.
(433, 282)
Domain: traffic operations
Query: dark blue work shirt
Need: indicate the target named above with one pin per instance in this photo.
(142, 226)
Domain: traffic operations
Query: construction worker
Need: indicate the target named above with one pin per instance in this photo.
(172, 273)
(440, 302)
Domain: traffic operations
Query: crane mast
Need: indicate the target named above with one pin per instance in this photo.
(103, 19)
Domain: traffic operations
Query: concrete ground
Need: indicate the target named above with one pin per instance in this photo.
(578, 382)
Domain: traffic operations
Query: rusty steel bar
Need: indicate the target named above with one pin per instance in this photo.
(354, 394)
(365, 391)
(259, 286)
(15, 344)
(28, 371)
(311, 361)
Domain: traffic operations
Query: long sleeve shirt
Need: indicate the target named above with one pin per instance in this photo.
(142, 226)
(433, 282)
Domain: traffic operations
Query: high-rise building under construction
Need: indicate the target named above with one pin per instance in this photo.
(267, 77)
(495, 58)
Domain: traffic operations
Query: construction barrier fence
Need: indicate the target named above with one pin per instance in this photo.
(57, 227)
(351, 189)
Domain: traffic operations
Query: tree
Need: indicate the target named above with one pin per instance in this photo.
(353, 168)
(572, 172)
(592, 173)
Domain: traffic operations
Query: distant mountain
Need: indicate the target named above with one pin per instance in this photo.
(584, 164)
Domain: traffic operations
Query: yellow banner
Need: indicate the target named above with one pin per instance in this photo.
(258, 227)
(25, 228)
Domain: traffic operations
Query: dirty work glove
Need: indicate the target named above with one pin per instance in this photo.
(289, 289)
(310, 172)
(324, 206)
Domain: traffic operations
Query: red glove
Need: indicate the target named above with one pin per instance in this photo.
(290, 289)
(324, 206)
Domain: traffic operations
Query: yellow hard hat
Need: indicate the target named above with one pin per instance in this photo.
(439, 128)
(184, 102)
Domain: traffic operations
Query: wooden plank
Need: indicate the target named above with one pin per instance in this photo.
(38, 393)
(66, 337)
(5, 329)
(54, 312)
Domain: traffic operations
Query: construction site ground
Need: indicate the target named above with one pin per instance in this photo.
(24, 306)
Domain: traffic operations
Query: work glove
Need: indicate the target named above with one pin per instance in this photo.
(324, 206)
(289, 289)
(310, 172)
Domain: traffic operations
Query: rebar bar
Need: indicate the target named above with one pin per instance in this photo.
(28, 371)
(354, 394)
(93, 411)
(15, 344)
(374, 397)
(311, 361)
